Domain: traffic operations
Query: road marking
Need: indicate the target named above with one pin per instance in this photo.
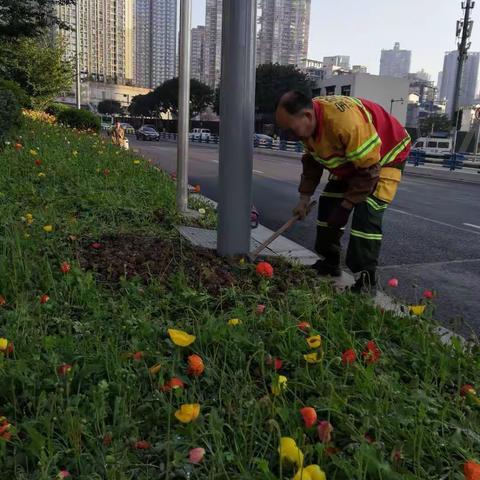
(410, 265)
(471, 225)
(434, 221)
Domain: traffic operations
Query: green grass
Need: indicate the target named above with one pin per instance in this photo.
(408, 403)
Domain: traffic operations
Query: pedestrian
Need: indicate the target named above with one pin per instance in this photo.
(118, 135)
(365, 150)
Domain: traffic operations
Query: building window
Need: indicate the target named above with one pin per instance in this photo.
(346, 90)
(330, 90)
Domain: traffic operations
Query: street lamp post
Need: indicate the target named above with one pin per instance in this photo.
(77, 54)
(392, 101)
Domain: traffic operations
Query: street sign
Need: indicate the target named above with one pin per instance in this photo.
(477, 113)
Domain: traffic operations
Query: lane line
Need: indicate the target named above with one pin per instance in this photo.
(434, 221)
(448, 262)
(471, 225)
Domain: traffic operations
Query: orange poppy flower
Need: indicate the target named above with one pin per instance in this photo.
(195, 365)
(172, 384)
(471, 470)
(309, 416)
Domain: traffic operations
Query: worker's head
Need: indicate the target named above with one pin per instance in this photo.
(295, 114)
(117, 124)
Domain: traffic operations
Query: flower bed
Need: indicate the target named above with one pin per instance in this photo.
(126, 354)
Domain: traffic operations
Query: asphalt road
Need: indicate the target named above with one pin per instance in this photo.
(431, 230)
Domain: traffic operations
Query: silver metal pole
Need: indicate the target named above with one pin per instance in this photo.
(183, 105)
(77, 54)
(237, 110)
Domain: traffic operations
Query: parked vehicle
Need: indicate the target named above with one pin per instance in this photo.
(127, 127)
(147, 132)
(262, 140)
(200, 134)
(433, 146)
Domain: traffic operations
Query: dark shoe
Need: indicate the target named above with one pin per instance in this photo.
(366, 283)
(324, 268)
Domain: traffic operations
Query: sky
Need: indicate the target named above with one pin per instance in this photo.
(361, 28)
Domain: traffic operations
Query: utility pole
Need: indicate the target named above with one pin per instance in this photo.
(183, 106)
(77, 54)
(237, 117)
(464, 31)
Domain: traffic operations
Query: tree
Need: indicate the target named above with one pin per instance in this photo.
(110, 106)
(434, 123)
(164, 99)
(38, 66)
(29, 18)
(273, 80)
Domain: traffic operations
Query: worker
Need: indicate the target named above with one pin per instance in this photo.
(118, 135)
(364, 149)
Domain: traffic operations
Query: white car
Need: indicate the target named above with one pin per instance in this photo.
(200, 134)
(433, 146)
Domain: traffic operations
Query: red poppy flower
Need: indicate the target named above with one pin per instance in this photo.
(5, 429)
(369, 438)
(264, 269)
(325, 429)
(330, 451)
(96, 245)
(38, 162)
(467, 389)
(260, 309)
(10, 348)
(106, 172)
(428, 294)
(309, 416)
(141, 445)
(64, 369)
(172, 384)
(196, 189)
(349, 356)
(65, 267)
(107, 440)
(18, 146)
(138, 356)
(44, 299)
(2, 300)
(393, 282)
(471, 470)
(304, 326)
(195, 365)
(372, 353)
(277, 363)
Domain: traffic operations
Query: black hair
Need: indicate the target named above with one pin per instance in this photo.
(294, 101)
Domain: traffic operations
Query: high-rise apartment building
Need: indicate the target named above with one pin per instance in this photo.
(106, 38)
(468, 86)
(342, 61)
(197, 61)
(283, 34)
(155, 42)
(213, 42)
(395, 62)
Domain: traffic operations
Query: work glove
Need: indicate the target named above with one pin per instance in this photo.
(339, 217)
(301, 210)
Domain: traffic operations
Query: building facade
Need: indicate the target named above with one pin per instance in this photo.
(213, 42)
(106, 39)
(390, 93)
(155, 49)
(283, 32)
(468, 87)
(395, 62)
(197, 61)
(342, 61)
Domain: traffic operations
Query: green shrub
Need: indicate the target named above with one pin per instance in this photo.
(56, 107)
(22, 98)
(10, 113)
(80, 119)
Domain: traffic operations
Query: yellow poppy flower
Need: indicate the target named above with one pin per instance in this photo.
(41, 174)
(315, 341)
(155, 369)
(33, 152)
(188, 412)
(136, 162)
(48, 228)
(29, 218)
(279, 385)
(314, 357)
(3, 344)
(417, 309)
(180, 338)
(289, 452)
(234, 321)
(312, 472)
